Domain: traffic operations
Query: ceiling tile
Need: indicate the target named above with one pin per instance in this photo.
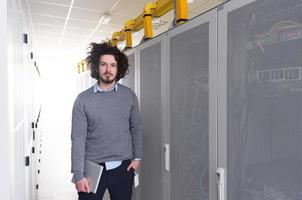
(100, 36)
(86, 15)
(48, 33)
(72, 45)
(199, 7)
(97, 40)
(100, 5)
(58, 2)
(109, 28)
(118, 20)
(76, 40)
(131, 8)
(41, 19)
(43, 27)
(73, 31)
(48, 38)
(45, 9)
(80, 24)
(47, 42)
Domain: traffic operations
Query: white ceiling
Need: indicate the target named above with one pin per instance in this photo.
(74, 23)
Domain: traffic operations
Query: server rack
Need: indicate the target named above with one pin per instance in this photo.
(260, 47)
(230, 86)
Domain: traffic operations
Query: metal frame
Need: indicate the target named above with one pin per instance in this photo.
(222, 81)
(210, 17)
(136, 192)
(165, 99)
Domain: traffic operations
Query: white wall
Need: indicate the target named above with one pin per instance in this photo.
(17, 106)
(4, 129)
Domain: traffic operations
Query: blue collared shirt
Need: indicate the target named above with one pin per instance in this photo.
(97, 88)
(110, 164)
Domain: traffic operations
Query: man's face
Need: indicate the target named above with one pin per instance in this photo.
(107, 69)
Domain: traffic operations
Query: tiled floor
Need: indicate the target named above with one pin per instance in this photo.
(73, 196)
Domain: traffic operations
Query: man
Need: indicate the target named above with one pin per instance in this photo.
(106, 127)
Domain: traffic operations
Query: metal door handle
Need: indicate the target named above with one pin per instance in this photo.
(220, 183)
(167, 156)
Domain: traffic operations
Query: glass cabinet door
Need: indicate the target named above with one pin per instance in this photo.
(260, 99)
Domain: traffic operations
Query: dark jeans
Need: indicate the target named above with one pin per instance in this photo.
(119, 182)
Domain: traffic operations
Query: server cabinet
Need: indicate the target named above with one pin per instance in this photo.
(150, 62)
(260, 65)
(191, 78)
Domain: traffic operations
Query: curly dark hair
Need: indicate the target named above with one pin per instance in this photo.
(99, 49)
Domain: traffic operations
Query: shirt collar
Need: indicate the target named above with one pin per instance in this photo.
(97, 88)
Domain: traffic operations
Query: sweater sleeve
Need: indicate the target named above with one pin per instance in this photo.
(135, 129)
(78, 139)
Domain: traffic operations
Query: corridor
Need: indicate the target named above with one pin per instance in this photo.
(218, 82)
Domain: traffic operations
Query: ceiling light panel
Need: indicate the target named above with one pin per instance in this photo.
(106, 19)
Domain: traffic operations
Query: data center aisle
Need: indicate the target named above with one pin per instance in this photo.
(58, 96)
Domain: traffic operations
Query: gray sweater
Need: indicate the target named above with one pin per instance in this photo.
(106, 126)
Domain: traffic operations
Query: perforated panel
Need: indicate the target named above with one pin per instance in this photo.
(264, 98)
(189, 114)
(150, 92)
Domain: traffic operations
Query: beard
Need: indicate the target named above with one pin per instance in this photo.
(105, 78)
